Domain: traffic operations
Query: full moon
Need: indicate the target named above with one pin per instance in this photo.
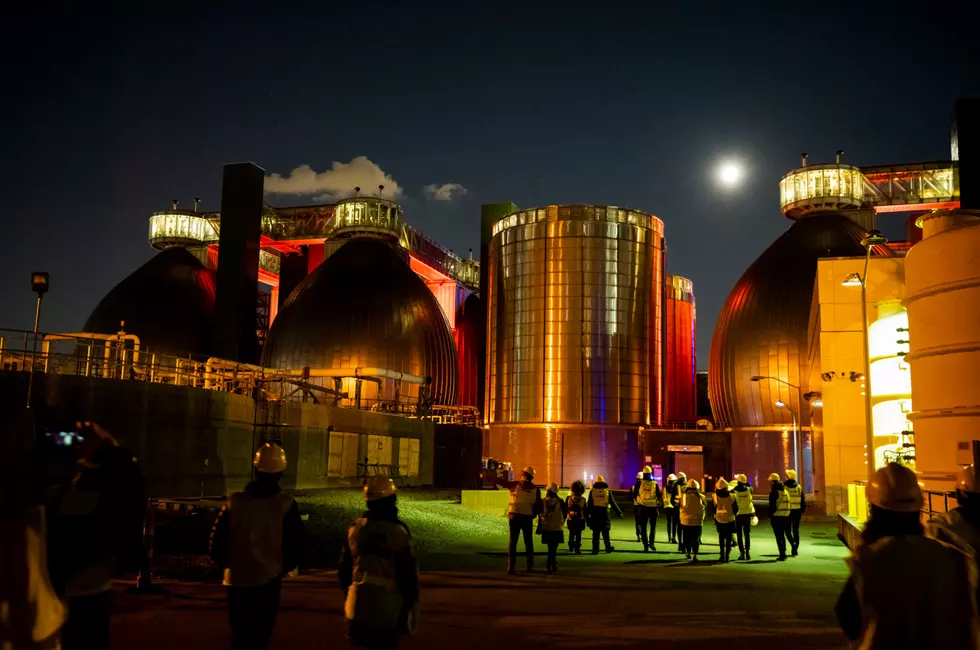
(730, 173)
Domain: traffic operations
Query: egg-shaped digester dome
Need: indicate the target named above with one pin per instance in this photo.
(762, 328)
(168, 303)
(365, 308)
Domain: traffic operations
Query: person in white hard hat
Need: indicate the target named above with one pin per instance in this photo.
(552, 525)
(725, 510)
(692, 518)
(257, 539)
(646, 499)
(597, 513)
(679, 486)
(378, 571)
(636, 513)
(797, 506)
(523, 507)
(961, 525)
(779, 514)
(670, 508)
(745, 511)
(906, 590)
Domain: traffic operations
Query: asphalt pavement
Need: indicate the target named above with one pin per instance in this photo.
(625, 599)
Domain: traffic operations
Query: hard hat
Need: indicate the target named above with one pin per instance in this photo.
(599, 479)
(647, 469)
(774, 476)
(671, 477)
(791, 474)
(742, 478)
(528, 470)
(693, 484)
(270, 459)
(681, 475)
(553, 487)
(967, 480)
(895, 488)
(378, 487)
(734, 478)
(721, 484)
(639, 475)
(754, 521)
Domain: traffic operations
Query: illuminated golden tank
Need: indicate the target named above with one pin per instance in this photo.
(575, 338)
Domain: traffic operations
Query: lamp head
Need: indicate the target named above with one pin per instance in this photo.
(756, 378)
(780, 403)
(874, 238)
(852, 280)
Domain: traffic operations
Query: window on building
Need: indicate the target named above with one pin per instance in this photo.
(342, 455)
(379, 450)
(408, 456)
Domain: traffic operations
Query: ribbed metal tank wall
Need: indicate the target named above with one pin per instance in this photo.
(942, 275)
(468, 332)
(574, 337)
(680, 388)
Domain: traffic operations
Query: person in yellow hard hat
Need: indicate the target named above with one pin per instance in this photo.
(647, 497)
(906, 591)
(636, 513)
(779, 513)
(670, 508)
(745, 511)
(692, 518)
(257, 539)
(797, 506)
(597, 513)
(378, 571)
(523, 507)
(675, 498)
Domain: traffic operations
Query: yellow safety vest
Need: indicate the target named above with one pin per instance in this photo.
(723, 509)
(743, 499)
(255, 538)
(782, 504)
(600, 497)
(551, 518)
(795, 495)
(373, 598)
(668, 501)
(522, 501)
(647, 494)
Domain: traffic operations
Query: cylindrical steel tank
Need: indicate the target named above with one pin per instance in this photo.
(469, 331)
(680, 388)
(574, 338)
(942, 275)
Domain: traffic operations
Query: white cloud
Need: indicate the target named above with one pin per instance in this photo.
(335, 183)
(444, 192)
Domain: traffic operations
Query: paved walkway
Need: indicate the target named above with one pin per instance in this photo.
(626, 599)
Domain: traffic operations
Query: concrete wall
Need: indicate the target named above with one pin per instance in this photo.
(193, 442)
(494, 502)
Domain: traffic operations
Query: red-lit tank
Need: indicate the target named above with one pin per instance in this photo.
(468, 333)
(681, 393)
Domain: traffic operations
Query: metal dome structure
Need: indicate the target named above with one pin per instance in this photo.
(168, 303)
(762, 328)
(365, 308)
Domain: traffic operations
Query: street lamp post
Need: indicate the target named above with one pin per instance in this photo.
(39, 284)
(797, 433)
(872, 239)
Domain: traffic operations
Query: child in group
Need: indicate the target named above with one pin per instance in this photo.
(575, 507)
(552, 525)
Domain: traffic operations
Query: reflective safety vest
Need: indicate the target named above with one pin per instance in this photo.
(782, 504)
(255, 538)
(522, 501)
(795, 495)
(647, 494)
(669, 495)
(600, 497)
(743, 499)
(552, 518)
(374, 598)
(692, 508)
(724, 514)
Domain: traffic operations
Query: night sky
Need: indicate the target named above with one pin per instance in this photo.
(107, 118)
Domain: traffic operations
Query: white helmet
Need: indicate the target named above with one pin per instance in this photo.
(553, 487)
(721, 484)
(528, 470)
(895, 487)
(639, 475)
(693, 484)
(378, 487)
(270, 459)
(671, 477)
(967, 480)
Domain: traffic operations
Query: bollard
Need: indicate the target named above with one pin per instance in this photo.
(144, 581)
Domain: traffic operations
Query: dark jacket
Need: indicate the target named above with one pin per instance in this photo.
(776, 488)
(111, 530)
(292, 529)
(790, 483)
(598, 516)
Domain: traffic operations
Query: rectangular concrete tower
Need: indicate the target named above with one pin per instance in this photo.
(966, 147)
(238, 262)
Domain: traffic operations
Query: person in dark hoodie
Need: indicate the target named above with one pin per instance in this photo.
(597, 513)
(524, 505)
(797, 505)
(676, 496)
(378, 572)
(745, 512)
(646, 499)
(576, 504)
(725, 510)
(779, 513)
(257, 539)
(670, 509)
